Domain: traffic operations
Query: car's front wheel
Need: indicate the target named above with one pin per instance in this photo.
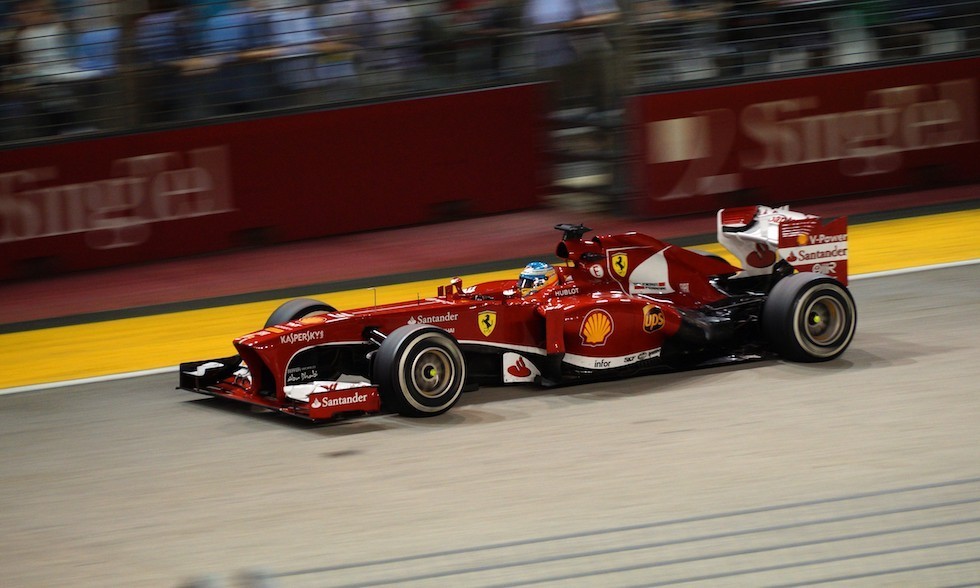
(419, 371)
(297, 309)
(809, 317)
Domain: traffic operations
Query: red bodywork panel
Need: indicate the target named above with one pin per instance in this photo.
(614, 302)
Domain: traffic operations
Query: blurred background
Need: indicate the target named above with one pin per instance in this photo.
(80, 67)
(128, 128)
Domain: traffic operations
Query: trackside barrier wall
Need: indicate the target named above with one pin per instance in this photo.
(807, 137)
(124, 199)
(101, 203)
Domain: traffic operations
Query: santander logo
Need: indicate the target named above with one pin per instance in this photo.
(519, 369)
(761, 257)
(354, 398)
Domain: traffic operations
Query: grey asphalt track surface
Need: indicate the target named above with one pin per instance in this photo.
(860, 472)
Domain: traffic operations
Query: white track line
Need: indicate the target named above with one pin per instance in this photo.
(92, 380)
(157, 371)
(912, 270)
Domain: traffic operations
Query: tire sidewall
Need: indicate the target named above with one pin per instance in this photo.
(784, 317)
(395, 362)
(297, 309)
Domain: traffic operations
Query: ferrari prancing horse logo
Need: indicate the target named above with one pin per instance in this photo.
(487, 320)
(620, 263)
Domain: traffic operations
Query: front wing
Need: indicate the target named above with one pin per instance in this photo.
(228, 377)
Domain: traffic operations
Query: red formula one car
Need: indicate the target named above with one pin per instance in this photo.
(620, 305)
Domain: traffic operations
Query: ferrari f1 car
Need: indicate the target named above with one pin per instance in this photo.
(619, 305)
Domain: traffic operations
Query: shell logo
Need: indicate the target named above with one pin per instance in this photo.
(802, 239)
(596, 328)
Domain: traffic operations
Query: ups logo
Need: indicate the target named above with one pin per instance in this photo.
(653, 318)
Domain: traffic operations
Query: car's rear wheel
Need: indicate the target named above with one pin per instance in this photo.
(298, 309)
(419, 371)
(809, 317)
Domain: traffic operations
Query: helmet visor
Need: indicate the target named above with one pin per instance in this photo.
(528, 282)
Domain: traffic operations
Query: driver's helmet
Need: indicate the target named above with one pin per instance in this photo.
(534, 276)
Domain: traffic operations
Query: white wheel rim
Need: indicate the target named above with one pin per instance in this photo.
(433, 372)
(824, 320)
(824, 324)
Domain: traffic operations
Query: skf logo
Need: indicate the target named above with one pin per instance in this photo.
(620, 264)
(653, 318)
(487, 321)
(596, 328)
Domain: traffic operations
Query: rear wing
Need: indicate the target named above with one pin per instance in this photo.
(759, 236)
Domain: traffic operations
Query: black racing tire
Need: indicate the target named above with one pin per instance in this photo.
(809, 317)
(419, 371)
(297, 309)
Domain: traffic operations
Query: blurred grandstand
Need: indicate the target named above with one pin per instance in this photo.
(75, 68)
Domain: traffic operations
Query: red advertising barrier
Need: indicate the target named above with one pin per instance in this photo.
(794, 139)
(98, 203)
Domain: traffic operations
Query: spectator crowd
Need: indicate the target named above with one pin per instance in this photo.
(76, 66)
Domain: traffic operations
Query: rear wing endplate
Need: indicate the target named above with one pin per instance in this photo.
(759, 236)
